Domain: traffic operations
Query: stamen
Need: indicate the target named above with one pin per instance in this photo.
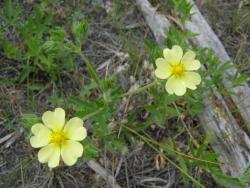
(58, 137)
(178, 70)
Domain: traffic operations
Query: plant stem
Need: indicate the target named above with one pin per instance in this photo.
(139, 90)
(94, 75)
(91, 70)
(92, 114)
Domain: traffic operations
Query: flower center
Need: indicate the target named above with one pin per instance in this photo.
(58, 137)
(178, 70)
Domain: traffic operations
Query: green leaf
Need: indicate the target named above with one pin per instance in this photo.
(36, 87)
(85, 92)
(153, 49)
(183, 166)
(84, 107)
(80, 30)
(58, 34)
(220, 71)
(114, 144)
(9, 8)
(239, 79)
(203, 147)
(179, 37)
(34, 46)
(11, 51)
(90, 150)
(28, 120)
(211, 156)
(184, 8)
(100, 128)
(226, 180)
(245, 178)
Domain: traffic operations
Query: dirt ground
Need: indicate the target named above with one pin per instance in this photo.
(116, 39)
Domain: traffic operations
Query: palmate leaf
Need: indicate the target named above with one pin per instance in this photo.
(100, 127)
(90, 150)
(184, 8)
(80, 30)
(114, 144)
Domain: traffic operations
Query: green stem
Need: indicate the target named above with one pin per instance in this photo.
(138, 90)
(92, 114)
(91, 70)
(94, 75)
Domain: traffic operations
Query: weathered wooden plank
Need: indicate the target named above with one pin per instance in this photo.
(229, 140)
(153, 19)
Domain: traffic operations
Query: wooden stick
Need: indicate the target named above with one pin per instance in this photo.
(158, 24)
(103, 173)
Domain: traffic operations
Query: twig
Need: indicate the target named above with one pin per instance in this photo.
(118, 168)
(103, 173)
(7, 137)
(17, 134)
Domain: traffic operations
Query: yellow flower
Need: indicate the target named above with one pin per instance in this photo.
(178, 69)
(58, 139)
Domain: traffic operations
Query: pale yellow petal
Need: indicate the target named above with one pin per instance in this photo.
(176, 86)
(167, 54)
(192, 79)
(41, 136)
(163, 70)
(50, 154)
(188, 56)
(189, 61)
(177, 53)
(71, 151)
(174, 55)
(54, 120)
(192, 65)
(160, 62)
(55, 158)
(74, 129)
